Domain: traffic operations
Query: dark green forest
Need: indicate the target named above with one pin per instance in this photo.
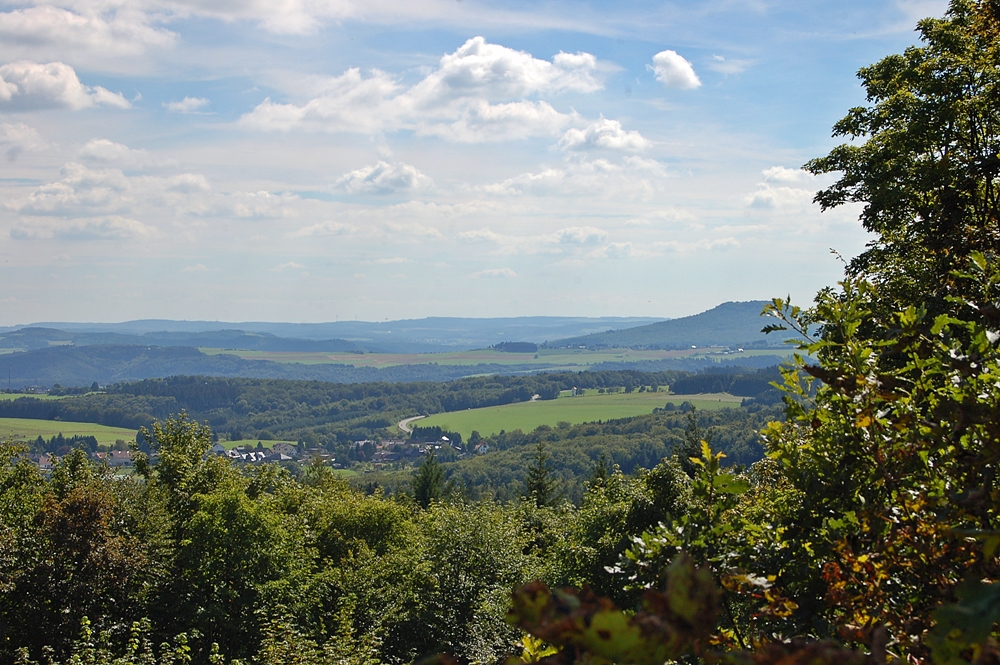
(867, 533)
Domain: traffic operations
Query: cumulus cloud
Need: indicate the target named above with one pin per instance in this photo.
(632, 176)
(768, 196)
(16, 138)
(31, 85)
(480, 92)
(784, 174)
(480, 235)
(382, 178)
(604, 134)
(777, 191)
(85, 192)
(111, 40)
(112, 227)
(495, 273)
(673, 71)
(187, 105)
(103, 151)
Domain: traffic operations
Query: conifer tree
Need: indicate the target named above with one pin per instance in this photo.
(540, 485)
(428, 480)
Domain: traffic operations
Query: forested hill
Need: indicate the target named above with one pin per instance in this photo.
(105, 364)
(328, 414)
(732, 324)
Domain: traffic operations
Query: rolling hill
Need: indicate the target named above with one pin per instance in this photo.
(731, 324)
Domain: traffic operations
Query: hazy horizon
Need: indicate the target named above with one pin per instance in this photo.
(308, 162)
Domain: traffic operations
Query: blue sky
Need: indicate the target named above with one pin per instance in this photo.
(308, 160)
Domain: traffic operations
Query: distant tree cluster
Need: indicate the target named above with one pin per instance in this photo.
(516, 347)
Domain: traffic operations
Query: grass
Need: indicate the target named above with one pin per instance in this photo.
(23, 429)
(526, 416)
(576, 359)
(41, 396)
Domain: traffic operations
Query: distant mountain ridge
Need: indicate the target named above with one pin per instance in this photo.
(426, 335)
(34, 338)
(731, 324)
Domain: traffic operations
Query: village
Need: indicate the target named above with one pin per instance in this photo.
(381, 454)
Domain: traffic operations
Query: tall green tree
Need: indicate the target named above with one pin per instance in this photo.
(540, 485)
(428, 480)
(923, 156)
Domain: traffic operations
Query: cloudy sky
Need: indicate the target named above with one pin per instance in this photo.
(309, 160)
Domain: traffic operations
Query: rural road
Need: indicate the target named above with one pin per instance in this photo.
(404, 424)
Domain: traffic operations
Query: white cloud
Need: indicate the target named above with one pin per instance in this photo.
(393, 260)
(30, 85)
(673, 71)
(480, 235)
(325, 229)
(114, 227)
(491, 71)
(495, 273)
(776, 190)
(727, 66)
(103, 151)
(16, 138)
(580, 235)
(478, 93)
(84, 192)
(383, 178)
(618, 250)
(604, 134)
(198, 267)
(784, 174)
(110, 39)
(261, 204)
(291, 265)
(186, 105)
(632, 176)
(768, 196)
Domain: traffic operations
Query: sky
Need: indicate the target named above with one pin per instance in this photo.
(322, 160)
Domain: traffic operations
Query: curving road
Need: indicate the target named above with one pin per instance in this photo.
(404, 424)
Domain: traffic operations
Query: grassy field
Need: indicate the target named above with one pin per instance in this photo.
(526, 416)
(12, 396)
(576, 359)
(23, 429)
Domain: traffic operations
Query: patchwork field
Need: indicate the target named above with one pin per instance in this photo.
(526, 416)
(576, 359)
(22, 429)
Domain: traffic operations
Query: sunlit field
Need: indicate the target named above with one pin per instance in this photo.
(526, 416)
(23, 429)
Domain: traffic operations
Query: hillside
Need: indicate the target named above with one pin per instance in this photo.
(432, 334)
(731, 324)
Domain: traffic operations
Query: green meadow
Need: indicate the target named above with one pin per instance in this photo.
(526, 416)
(22, 429)
(13, 396)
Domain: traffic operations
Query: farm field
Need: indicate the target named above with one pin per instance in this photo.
(13, 396)
(23, 429)
(576, 359)
(526, 416)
